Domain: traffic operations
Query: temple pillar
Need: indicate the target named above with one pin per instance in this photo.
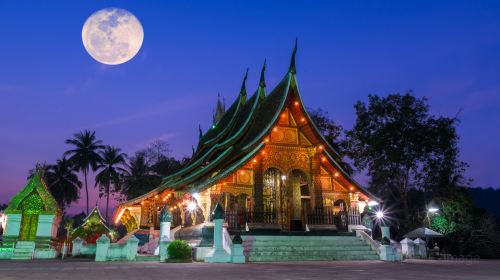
(258, 192)
(218, 253)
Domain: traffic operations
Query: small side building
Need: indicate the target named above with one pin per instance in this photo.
(32, 217)
(94, 225)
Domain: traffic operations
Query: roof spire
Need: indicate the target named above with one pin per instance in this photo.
(292, 61)
(199, 131)
(219, 110)
(262, 83)
(243, 91)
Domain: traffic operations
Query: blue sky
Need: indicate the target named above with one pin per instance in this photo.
(50, 88)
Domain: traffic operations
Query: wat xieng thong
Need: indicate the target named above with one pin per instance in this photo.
(265, 161)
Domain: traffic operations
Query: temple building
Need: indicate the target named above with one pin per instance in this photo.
(265, 161)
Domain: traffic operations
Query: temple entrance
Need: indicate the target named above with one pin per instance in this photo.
(31, 207)
(29, 224)
(275, 199)
(300, 199)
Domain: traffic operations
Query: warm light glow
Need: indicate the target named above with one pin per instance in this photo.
(191, 206)
(323, 158)
(156, 196)
(116, 221)
(275, 129)
(241, 172)
(165, 199)
(336, 174)
(433, 210)
(283, 115)
(372, 203)
(267, 140)
(302, 119)
(254, 161)
(171, 208)
(142, 202)
(379, 215)
(351, 188)
(283, 177)
(320, 147)
(196, 196)
(263, 152)
(296, 103)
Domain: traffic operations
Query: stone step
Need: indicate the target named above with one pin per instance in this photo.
(263, 242)
(311, 258)
(304, 243)
(293, 237)
(307, 248)
(310, 253)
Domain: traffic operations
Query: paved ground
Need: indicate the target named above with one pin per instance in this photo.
(75, 270)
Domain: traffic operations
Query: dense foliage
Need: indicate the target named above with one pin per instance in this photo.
(179, 250)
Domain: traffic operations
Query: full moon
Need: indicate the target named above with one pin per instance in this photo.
(112, 36)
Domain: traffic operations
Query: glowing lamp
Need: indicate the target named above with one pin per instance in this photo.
(283, 177)
(191, 206)
(379, 215)
(196, 196)
(336, 174)
(275, 129)
(296, 103)
(433, 210)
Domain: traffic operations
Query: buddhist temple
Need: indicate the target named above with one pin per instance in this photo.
(32, 221)
(265, 161)
(93, 226)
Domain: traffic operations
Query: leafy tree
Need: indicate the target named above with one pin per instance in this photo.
(468, 230)
(111, 170)
(403, 147)
(85, 155)
(63, 182)
(139, 178)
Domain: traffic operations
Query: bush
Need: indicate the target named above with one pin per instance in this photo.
(179, 250)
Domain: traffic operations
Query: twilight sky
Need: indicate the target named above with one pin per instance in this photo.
(51, 88)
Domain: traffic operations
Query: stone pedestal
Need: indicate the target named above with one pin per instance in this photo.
(131, 248)
(420, 249)
(165, 230)
(77, 247)
(407, 247)
(164, 249)
(386, 232)
(387, 253)
(237, 255)
(102, 246)
(218, 254)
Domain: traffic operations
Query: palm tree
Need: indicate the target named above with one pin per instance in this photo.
(139, 178)
(111, 169)
(85, 155)
(63, 182)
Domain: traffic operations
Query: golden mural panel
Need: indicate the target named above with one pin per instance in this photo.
(287, 158)
(245, 177)
(284, 135)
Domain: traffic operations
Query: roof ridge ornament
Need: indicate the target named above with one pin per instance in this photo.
(199, 131)
(262, 82)
(243, 91)
(292, 68)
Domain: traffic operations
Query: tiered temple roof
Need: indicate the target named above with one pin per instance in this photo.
(238, 135)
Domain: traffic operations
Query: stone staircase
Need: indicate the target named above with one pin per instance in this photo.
(266, 248)
(24, 250)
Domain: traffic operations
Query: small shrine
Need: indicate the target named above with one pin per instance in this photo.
(33, 214)
(94, 225)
